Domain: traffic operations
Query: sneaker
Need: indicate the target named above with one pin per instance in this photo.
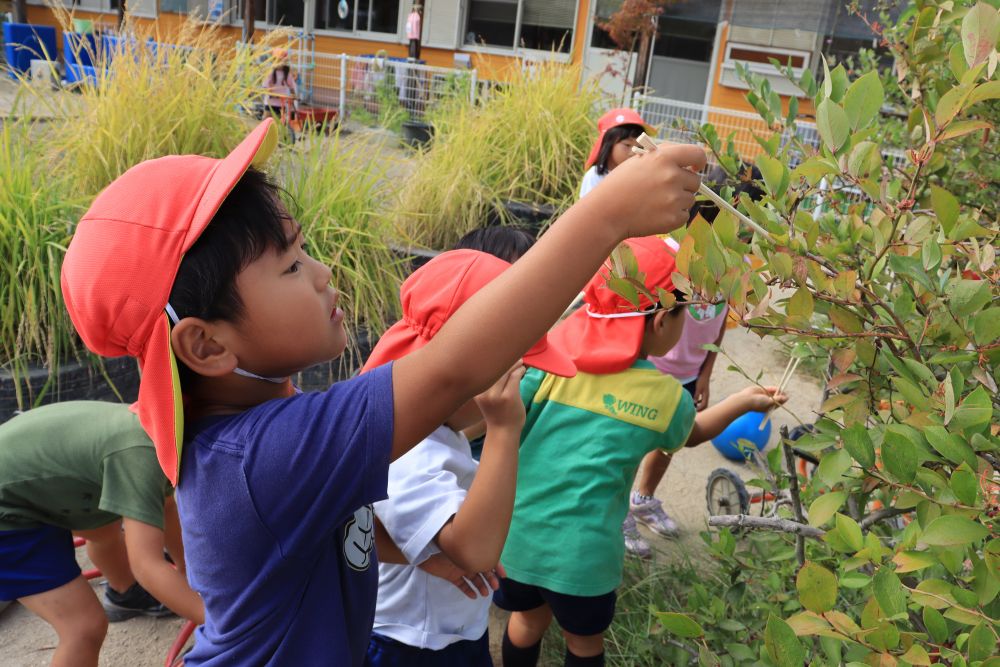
(649, 512)
(136, 601)
(634, 542)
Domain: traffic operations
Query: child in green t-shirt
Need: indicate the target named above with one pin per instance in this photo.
(581, 445)
(87, 467)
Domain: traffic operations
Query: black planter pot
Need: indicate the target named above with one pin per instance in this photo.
(532, 216)
(72, 382)
(417, 133)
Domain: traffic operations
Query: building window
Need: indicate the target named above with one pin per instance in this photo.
(543, 25)
(848, 33)
(358, 15)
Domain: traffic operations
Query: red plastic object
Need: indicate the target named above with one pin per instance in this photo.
(317, 115)
(174, 658)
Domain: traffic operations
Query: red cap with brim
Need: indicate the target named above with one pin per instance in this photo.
(605, 335)
(615, 118)
(434, 292)
(121, 264)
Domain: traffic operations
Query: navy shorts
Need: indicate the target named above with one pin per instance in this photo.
(386, 652)
(576, 614)
(35, 560)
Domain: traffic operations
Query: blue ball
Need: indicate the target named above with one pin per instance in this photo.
(746, 427)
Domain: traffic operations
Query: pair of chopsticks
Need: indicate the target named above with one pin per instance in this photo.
(647, 144)
(793, 363)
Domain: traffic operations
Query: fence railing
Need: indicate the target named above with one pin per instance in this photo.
(376, 90)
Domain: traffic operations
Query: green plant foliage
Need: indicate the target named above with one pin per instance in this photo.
(526, 141)
(879, 262)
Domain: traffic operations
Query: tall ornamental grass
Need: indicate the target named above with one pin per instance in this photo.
(37, 211)
(184, 91)
(336, 186)
(527, 142)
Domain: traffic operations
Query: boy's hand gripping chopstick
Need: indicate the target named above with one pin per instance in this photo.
(646, 144)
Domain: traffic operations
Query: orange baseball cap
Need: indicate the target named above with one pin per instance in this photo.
(605, 334)
(121, 264)
(434, 292)
(615, 118)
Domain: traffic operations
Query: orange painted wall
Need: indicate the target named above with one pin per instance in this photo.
(488, 66)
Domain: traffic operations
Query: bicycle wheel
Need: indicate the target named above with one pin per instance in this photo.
(726, 493)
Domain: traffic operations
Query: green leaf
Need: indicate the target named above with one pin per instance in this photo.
(838, 83)
(858, 444)
(814, 169)
(863, 100)
(899, 457)
(911, 561)
(949, 445)
(832, 466)
(986, 91)
(953, 530)
(824, 507)
(832, 123)
(930, 254)
(969, 296)
(845, 320)
(964, 484)
(974, 413)
(950, 105)
(850, 531)
(945, 205)
(817, 587)
(982, 643)
(986, 326)
(865, 159)
(956, 60)
(911, 392)
(801, 303)
(775, 175)
(681, 625)
(889, 593)
(936, 626)
(963, 127)
(912, 267)
(782, 644)
(980, 30)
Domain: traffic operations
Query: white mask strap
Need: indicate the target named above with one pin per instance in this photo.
(172, 314)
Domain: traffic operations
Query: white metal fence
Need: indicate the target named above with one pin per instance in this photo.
(378, 90)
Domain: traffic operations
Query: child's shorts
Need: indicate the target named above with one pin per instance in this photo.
(576, 614)
(35, 560)
(386, 652)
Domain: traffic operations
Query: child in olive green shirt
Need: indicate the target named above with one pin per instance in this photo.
(87, 468)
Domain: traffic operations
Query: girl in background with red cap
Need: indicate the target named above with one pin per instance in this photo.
(583, 439)
(441, 502)
(617, 131)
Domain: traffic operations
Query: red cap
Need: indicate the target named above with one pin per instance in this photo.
(605, 334)
(434, 292)
(120, 267)
(615, 118)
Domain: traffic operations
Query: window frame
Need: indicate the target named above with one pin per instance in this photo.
(765, 68)
(515, 50)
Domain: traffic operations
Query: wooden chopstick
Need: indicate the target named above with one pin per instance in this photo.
(786, 377)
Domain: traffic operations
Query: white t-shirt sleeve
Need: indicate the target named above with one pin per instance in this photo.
(590, 181)
(424, 493)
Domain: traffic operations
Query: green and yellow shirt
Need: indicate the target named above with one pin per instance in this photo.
(582, 443)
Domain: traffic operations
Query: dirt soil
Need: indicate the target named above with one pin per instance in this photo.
(27, 641)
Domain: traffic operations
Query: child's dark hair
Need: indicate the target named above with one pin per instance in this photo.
(612, 137)
(249, 223)
(507, 242)
(747, 178)
(679, 296)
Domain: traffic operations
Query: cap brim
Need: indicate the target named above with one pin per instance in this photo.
(254, 150)
(599, 345)
(160, 407)
(546, 357)
(397, 342)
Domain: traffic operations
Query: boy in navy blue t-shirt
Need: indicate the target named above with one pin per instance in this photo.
(194, 266)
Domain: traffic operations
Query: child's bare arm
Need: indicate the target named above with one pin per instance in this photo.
(474, 537)
(144, 544)
(172, 534)
(712, 421)
(386, 549)
(645, 195)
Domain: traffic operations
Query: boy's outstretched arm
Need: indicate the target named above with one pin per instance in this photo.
(646, 195)
(714, 420)
(474, 537)
(144, 544)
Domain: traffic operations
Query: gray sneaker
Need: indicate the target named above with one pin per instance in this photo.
(136, 601)
(649, 512)
(634, 542)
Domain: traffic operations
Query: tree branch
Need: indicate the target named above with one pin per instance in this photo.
(881, 515)
(793, 478)
(765, 523)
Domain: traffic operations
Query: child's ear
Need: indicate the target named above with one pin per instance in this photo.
(661, 320)
(194, 343)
